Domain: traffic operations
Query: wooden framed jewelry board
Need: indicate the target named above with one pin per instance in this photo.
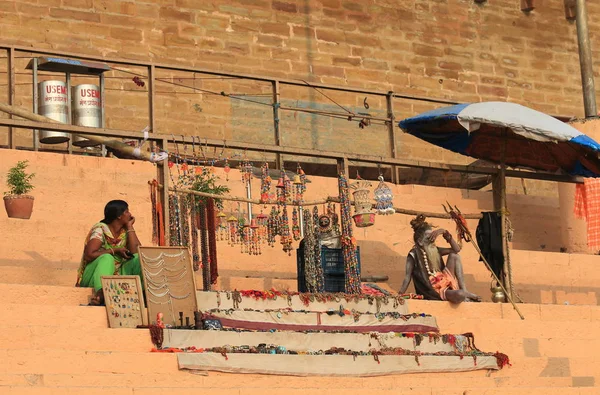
(169, 284)
(124, 301)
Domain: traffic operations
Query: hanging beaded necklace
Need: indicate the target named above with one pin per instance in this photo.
(194, 226)
(352, 274)
(430, 272)
(295, 224)
(265, 183)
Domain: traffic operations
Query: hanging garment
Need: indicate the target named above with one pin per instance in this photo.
(489, 239)
(587, 206)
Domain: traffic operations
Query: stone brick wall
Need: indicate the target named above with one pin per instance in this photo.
(447, 49)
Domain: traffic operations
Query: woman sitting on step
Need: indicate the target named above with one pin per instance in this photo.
(110, 248)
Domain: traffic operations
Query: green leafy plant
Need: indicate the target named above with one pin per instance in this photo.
(18, 181)
(206, 181)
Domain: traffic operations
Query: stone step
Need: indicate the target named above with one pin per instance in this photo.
(555, 288)
(225, 300)
(297, 390)
(44, 295)
(78, 338)
(85, 328)
(223, 381)
(69, 363)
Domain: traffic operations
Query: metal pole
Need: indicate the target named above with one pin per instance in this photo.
(151, 102)
(102, 112)
(585, 60)
(249, 196)
(392, 134)
(11, 93)
(70, 111)
(277, 133)
(163, 179)
(36, 133)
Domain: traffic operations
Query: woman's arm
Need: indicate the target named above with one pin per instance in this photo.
(133, 243)
(93, 250)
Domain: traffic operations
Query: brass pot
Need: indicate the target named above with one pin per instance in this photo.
(498, 295)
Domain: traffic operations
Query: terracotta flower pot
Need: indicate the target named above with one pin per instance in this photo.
(18, 206)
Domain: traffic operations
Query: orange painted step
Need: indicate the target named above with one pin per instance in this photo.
(247, 381)
(44, 294)
(80, 337)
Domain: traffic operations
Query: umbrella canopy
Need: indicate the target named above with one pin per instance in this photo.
(533, 139)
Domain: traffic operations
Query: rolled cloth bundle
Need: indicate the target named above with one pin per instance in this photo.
(109, 142)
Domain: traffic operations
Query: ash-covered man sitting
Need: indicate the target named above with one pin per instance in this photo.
(434, 278)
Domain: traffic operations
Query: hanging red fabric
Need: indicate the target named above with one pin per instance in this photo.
(587, 206)
(212, 240)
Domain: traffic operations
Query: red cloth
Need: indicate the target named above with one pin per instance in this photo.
(587, 206)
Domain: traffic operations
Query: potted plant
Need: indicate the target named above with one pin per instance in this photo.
(16, 201)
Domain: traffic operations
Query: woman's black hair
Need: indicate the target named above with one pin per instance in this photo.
(113, 210)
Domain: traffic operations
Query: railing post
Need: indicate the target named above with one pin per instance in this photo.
(393, 141)
(70, 111)
(102, 110)
(342, 166)
(276, 131)
(36, 132)
(151, 107)
(163, 179)
(11, 92)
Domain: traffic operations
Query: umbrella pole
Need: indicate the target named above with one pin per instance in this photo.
(499, 188)
(505, 251)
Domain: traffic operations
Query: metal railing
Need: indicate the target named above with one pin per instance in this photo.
(162, 140)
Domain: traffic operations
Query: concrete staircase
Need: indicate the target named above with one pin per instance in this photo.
(50, 344)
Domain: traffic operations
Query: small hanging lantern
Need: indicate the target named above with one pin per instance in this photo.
(384, 198)
(233, 230)
(226, 169)
(262, 220)
(246, 170)
(363, 216)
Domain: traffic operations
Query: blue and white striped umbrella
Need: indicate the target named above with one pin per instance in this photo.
(533, 139)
